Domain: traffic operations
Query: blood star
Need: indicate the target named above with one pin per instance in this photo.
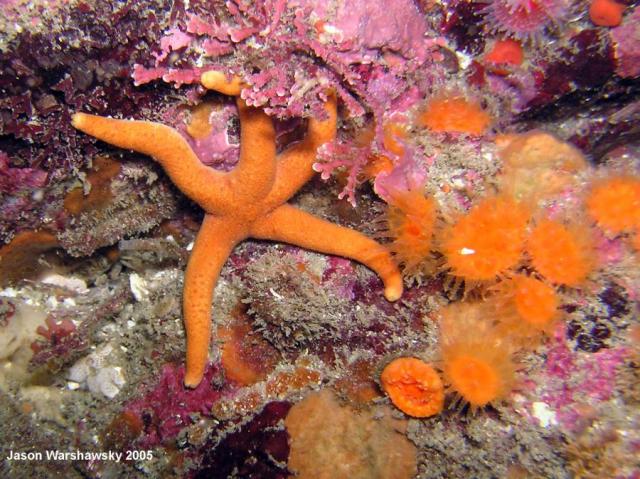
(247, 202)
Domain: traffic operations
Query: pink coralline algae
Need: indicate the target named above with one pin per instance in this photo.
(14, 179)
(340, 273)
(574, 378)
(290, 53)
(169, 407)
(408, 173)
(626, 40)
(68, 333)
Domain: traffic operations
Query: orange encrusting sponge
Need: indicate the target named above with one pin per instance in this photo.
(615, 203)
(454, 114)
(413, 386)
(562, 255)
(487, 241)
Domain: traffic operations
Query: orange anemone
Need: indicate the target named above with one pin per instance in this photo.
(487, 241)
(615, 203)
(561, 254)
(413, 386)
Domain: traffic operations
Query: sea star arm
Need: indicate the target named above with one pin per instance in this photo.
(168, 147)
(214, 242)
(295, 164)
(217, 81)
(254, 174)
(291, 225)
(252, 177)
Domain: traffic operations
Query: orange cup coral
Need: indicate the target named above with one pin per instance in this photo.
(410, 220)
(536, 302)
(614, 203)
(413, 386)
(525, 307)
(477, 363)
(561, 254)
(454, 114)
(487, 241)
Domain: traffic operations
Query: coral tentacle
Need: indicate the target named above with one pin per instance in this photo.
(216, 238)
(291, 225)
(168, 148)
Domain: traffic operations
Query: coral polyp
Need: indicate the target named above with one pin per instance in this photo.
(487, 241)
(525, 19)
(410, 221)
(477, 363)
(563, 255)
(413, 386)
(614, 203)
(525, 307)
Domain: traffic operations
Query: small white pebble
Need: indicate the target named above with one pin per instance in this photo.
(138, 287)
(545, 416)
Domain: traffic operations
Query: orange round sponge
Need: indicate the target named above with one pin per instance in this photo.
(562, 255)
(487, 241)
(615, 203)
(413, 386)
(504, 52)
(606, 13)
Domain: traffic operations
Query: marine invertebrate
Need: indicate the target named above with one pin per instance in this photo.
(452, 113)
(626, 45)
(413, 386)
(606, 13)
(537, 165)
(103, 171)
(562, 254)
(506, 51)
(525, 307)
(614, 203)
(373, 447)
(487, 241)
(19, 258)
(410, 219)
(249, 201)
(525, 19)
(503, 55)
(477, 362)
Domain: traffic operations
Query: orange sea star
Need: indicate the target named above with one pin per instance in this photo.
(249, 201)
